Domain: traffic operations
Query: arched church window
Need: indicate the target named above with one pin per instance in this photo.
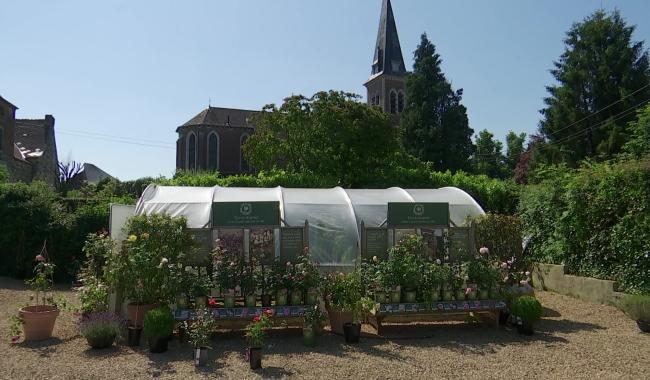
(191, 151)
(213, 151)
(400, 102)
(243, 165)
(393, 102)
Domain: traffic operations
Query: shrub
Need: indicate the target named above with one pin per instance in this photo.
(150, 266)
(595, 220)
(637, 307)
(158, 323)
(528, 308)
(501, 234)
(200, 329)
(99, 327)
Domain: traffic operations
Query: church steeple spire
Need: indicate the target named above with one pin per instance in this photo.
(388, 53)
(386, 85)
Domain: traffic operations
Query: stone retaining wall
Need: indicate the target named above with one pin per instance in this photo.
(553, 277)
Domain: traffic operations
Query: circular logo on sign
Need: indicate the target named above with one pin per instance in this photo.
(418, 210)
(245, 209)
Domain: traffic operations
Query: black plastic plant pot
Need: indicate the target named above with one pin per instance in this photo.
(134, 336)
(158, 344)
(504, 317)
(200, 356)
(352, 332)
(525, 329)
(643, 326)
(255, 357)
(266, 300)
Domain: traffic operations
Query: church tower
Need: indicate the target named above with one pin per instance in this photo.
(387, 83)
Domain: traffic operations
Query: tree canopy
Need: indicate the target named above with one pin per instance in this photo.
(331, 134)
(435, 124)
(603, 77)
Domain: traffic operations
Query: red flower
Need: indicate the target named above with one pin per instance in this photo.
(15, 338)
(256, 319)
(212, 302)
(268, 312)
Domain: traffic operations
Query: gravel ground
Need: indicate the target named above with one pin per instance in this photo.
(574, 340)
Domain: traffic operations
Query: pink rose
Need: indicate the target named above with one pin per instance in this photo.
(40, 258)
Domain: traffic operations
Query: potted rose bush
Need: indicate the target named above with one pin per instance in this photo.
(342, 294)
(227, 267)
(255, 335)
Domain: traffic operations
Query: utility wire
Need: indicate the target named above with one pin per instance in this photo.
(600, 110)
(119, 140)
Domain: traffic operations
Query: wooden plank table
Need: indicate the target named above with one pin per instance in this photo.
(437, 311)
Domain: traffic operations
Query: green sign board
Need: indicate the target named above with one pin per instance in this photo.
(375, 243)
(201, 248)
(292, 243)
(245, 214)
(415, 214)
(460, 242)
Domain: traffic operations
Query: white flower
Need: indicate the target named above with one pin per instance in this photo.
(446, 258)
(504, 265)
(484, 251)
(164, 260)
(374, 258)
(527, 273)
(438, 261)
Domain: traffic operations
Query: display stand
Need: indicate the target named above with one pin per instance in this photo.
(437, 311)
(238, 317)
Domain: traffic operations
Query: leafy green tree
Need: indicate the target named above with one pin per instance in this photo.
(488, 158)
(331, 134)
(603, 76)
(639, 143)
(435, 124)
(515, 147)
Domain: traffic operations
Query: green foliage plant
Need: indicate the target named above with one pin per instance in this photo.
(528, 308)
(256, 330)
(158, 323)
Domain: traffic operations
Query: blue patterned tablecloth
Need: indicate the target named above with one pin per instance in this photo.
(244, 312)
(442, 306)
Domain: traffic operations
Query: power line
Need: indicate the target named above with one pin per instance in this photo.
(600, 124)
(600, 110)
(113, 136)
(119, 140)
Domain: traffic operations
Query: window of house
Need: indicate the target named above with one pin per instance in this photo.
(243, 165)
(191, 151)
(393, 102)
(400, 102)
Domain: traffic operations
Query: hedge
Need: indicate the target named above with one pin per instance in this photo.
(493, 195)
(31, 214)
(595, 220)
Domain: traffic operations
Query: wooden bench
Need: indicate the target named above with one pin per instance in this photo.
(437, 311)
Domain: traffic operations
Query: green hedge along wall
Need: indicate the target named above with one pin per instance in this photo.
(595, 220)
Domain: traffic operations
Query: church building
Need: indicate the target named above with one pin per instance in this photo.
(214, 138)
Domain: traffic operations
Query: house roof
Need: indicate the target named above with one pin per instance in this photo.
(29, 137)
(8, 102)
(228, 117)
(94, 174)
(388, 52)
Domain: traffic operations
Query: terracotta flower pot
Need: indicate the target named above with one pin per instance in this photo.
(137, 312)
(38, 321)
(337, 319)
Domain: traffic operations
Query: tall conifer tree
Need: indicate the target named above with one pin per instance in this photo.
(603, 75)
(435, 125)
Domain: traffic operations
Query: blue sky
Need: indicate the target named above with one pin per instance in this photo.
(135, 70)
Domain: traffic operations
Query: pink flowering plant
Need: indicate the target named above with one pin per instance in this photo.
(256, 330)
(227, 267)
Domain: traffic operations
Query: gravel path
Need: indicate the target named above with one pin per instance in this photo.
(574, 340)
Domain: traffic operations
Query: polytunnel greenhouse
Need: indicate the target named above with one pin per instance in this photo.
(334, 216)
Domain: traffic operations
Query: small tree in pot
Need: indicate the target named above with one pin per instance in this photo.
(199, 331)
(158, 326)
(527, 310)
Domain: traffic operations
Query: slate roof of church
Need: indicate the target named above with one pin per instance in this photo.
(388, 42)
(217, 116)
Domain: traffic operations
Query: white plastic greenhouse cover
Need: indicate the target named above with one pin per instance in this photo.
(334, 214)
